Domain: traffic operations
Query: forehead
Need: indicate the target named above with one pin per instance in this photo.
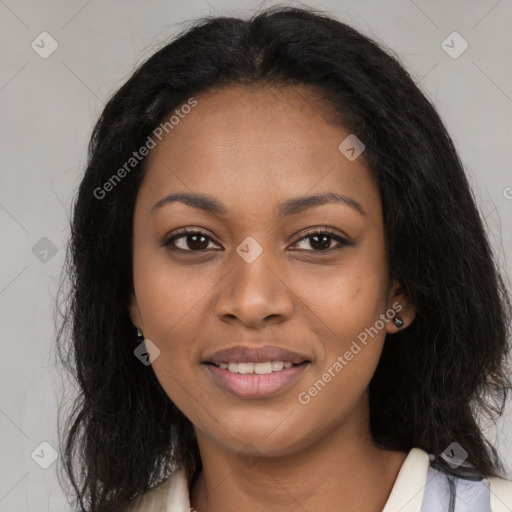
(239, 143)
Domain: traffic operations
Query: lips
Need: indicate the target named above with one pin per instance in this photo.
(244, 354)
(251, 372)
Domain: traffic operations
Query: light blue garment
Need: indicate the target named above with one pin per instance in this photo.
(448, 493)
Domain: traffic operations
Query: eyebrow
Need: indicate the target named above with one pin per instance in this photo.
(289, 207)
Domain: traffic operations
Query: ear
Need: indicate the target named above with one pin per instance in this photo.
(400, 305)
(135, 311)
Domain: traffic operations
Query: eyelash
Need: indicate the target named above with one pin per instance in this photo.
(185, 232)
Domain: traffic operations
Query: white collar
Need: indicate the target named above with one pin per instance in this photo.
(172, 495)
(407, 492)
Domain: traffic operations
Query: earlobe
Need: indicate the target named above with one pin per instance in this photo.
(403, 311)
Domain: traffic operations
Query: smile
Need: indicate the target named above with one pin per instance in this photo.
(257, 368)
(256, 380)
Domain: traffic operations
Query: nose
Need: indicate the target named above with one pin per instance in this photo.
(254, 294)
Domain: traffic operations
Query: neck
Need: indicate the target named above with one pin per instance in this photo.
(343, 470)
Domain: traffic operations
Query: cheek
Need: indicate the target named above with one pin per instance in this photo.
(348, 297)
(174, 323)
(175, 302)
(170, 297)
(350, 352)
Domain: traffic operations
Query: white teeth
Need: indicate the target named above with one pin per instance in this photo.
(245, 367)
(262, 368)
(257, 368)
(277, 365)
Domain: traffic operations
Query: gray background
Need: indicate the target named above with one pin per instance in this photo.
(48, 107)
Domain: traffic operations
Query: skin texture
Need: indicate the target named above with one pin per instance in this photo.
(251, 149)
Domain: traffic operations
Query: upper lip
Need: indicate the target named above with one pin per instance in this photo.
(245, 354)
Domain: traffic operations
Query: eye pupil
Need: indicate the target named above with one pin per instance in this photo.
(202, 245)
(322, 245)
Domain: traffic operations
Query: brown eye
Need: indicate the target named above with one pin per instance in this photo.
(189, 241)
(321, 240)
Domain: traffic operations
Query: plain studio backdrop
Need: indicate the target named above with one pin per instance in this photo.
(61, 60)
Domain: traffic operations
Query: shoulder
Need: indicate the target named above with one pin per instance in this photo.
(449, 492)
(169, 495)
(501, 494)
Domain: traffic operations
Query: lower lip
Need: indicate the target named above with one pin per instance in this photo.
(256, 386)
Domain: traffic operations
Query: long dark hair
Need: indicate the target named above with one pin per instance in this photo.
(434, 380)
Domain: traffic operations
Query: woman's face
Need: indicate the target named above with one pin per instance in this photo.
(252, 273)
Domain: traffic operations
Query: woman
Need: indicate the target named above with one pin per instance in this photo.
(282, 291)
